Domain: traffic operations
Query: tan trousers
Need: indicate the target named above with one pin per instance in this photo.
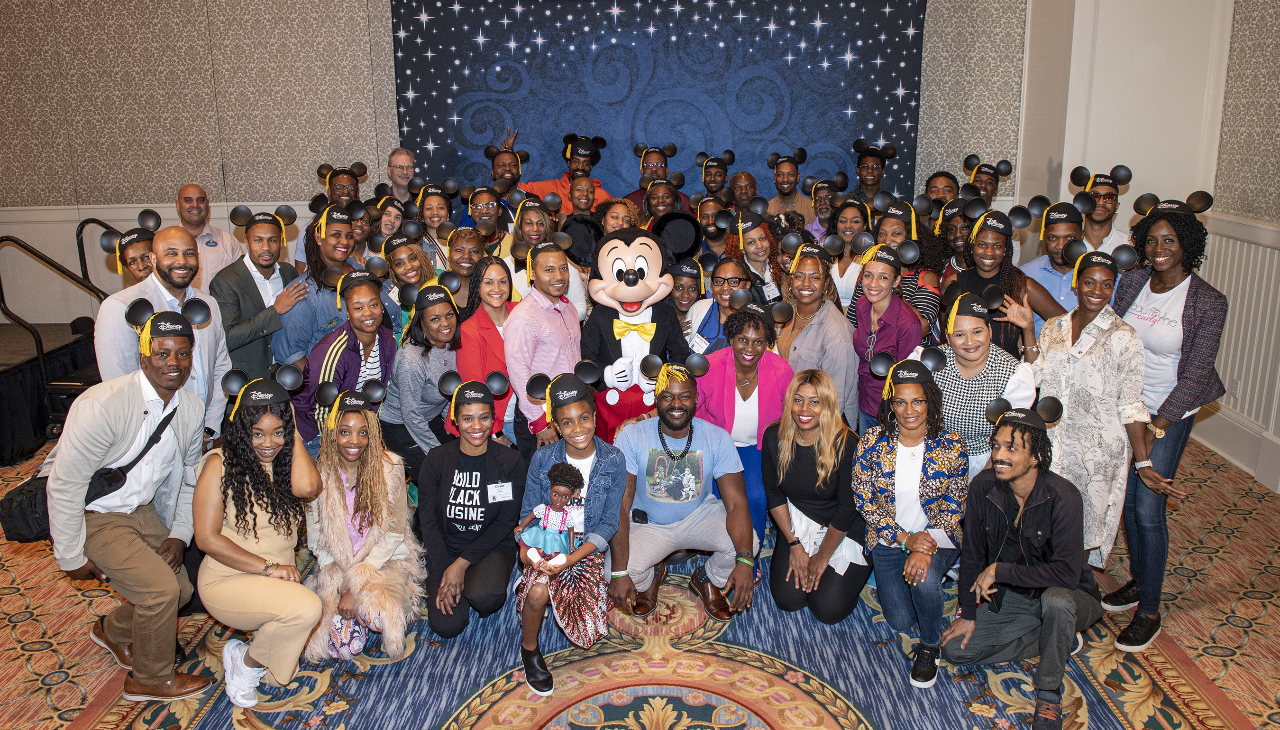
(280, 613)
(124, 548)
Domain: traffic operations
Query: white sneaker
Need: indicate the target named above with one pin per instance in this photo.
(241, 680)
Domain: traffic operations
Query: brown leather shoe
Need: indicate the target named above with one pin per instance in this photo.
(647, 600)
(122, 654)
(182, 686)
(712, 599)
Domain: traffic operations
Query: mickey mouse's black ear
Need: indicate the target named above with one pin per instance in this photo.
(646, 180)
(286, 214)
(758, 205)
(109, 240)
(497, 383)
(411, 228)
(697, 364)
(801, 155)
(491, 151)
(408, 295)
(806, 185)
(969, 191)
(971, 161)
(933, 359)
(782, 312)
(791, 243)
(860, 144)
(371, 210)
(374, 390)
(997, 408)
(935, 209)
(923, 206)
(651, 366)
(993, 297)
(451, 380)
(568, 138)
(841, 181)
(881, 364)
(889, 151)
(1019, 216)
(552, 201)
(517, 197)
(909, 252)
(728, 157)
(150, 220)
(522, 155)
(327, 393)
(883, 200)
(772, 160)
(1121, 174)
(359, 169)
(838, 200)
(377, 265)
(694, 201)
(562, 239)
(139, 312)
(724, 219)
(1074, 250)
(449, 186)
(740, 298)
(863, 242)
(1125, 256)
(196, 311)
(381, 190)
(707, 260)
(467, 191)
(949, 296)
(588, 371)
(323, 170)
(1080, 176)
(974, 208)
(669, 149)
(536, 388)
(502, 185)
(520, 249)
(833, 245)
(1145, 203)
(677, 179)
(700, 158)
(639, 149)
(240, 215)
(1038, 205)
(416, 184)
(1050, 409)
(1200, 201)
(356, 210)
(234, 381)
(289, 377)
(599, 142)
(318, 203)
(1004, 168)
(1084, 203)
(449, 280)
(410, 210)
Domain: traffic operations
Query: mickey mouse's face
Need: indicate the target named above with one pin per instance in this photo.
(631, 275)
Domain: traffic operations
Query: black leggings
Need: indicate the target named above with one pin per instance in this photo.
(398, 440)
(484, 588)
(831, 602)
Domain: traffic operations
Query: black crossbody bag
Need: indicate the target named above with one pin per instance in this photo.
(24, 511)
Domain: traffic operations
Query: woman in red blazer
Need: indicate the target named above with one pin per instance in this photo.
(742, 393)
(488, 304)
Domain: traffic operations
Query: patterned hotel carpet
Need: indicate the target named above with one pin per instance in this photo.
(681, 670)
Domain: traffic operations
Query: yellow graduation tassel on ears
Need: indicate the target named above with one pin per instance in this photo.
(528, 265)
(973, 235)
(887, 393)
(795, 259)
(951, 317)
(937, 226)
(667, 373)
(973, 173)
(914, 236)
(546, 401)
(1089, 185)
(144, 337)
(568, 149)
(338, 292)
(240, 395)
(453, 403)
(701, 275)
(870, 254)
(1075, 271)
(332, 420)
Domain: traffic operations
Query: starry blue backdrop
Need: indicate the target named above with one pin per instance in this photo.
(754, 76)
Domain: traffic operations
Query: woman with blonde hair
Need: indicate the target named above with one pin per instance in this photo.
(807, 463)
(370, 566)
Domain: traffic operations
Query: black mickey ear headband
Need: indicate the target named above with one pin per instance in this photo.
(576, 145)
(113, 241)
(1081, 256)
(838, 183)
(796, 158)
(1074, 212)
(371, 393)
(1120, 175)
(667, 151)
(341, 283)
(421, 190)
(586, 371)
(674, 180)
(150, 324)
(866, 149)
(522, 156)
(909, 212)
(741, 301)
(261, 391)
(330, 212)
(744, 220)
(1004, 223)
(705, 162)
(283, 215)
(974, 165)
(1048, 410)
(461, 392)
(327, 172)
(1150, 204)
(903, 372)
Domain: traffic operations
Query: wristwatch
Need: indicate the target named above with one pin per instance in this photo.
(1159, 432)
(1142, 464)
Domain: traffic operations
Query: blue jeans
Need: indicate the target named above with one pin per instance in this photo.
(313, 446)
(905, 605)
(1145, 530)
(866, 421)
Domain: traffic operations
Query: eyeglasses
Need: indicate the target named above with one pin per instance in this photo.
(652, 165)
(871, 346)
(344, 188)
(1105, 197)
(866, 166)
(402, 168)
(732, 281)
(484, 206)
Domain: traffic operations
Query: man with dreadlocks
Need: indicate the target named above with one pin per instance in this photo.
(668, 505)
(1026, 589)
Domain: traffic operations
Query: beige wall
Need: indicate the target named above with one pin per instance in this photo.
(1249, 152)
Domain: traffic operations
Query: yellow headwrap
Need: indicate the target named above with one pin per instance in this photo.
(667, 373)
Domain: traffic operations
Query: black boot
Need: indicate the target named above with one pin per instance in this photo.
(536, 674)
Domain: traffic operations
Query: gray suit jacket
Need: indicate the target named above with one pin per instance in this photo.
(248, 320)
(101, 426)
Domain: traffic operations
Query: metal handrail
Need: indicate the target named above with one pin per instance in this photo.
(84, 261)
(35, 334)
(80, 281)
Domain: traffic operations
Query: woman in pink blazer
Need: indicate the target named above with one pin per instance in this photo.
(742, 393)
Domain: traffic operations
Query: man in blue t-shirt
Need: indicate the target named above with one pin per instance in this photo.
(673, 462)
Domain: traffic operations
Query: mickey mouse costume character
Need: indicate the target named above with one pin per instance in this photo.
(632, 319)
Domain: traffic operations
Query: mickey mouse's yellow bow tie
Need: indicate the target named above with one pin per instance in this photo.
(646, 330)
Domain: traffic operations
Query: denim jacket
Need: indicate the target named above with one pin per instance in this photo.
(604, 496)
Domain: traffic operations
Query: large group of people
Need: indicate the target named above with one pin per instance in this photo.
(454, 381)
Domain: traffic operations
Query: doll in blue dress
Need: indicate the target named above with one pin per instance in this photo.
(552, 536)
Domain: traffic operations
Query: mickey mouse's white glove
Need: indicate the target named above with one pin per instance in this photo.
(621, 374)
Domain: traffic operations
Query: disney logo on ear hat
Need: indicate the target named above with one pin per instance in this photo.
(1149, 204)
(578, 146)
(866, 149)
(260, 391)
(796, 158)
(1048, 410)
(327, 172)
(461, 393)
(1119, 175)
(707, 162)
(112, 241)
(975, 166)
(327, 395)
(150, 324)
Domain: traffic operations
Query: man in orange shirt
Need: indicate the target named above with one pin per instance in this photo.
(582, 154)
